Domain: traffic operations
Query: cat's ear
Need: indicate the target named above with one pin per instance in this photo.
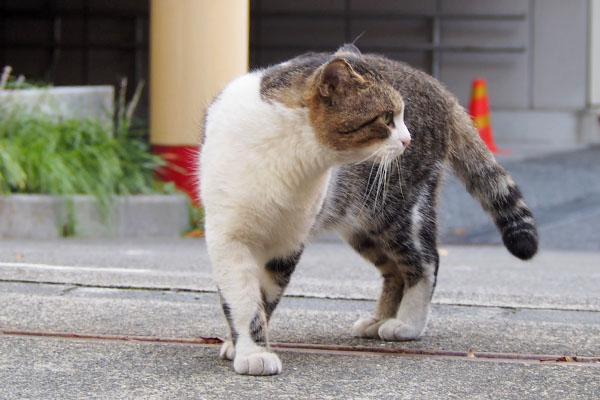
(336, 77)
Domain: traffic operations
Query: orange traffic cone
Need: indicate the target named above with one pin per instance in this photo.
(480, 112)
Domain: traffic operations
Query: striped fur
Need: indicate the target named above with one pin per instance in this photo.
(350, 142)
(489, 183)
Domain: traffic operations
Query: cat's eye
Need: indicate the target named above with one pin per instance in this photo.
(388, 118)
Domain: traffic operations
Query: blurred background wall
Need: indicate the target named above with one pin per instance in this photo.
(77, 42)
(541, 58)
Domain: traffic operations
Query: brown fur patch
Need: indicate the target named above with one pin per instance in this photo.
(345, 97)
(346, 107)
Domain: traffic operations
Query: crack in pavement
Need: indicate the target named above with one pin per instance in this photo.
(72, 286)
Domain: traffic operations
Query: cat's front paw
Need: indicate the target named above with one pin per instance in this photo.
(263, 363)
(366, 327)
(395, 330)
(227, 350)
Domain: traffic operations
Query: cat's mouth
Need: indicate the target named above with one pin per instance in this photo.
(394, 145)
(387, 154)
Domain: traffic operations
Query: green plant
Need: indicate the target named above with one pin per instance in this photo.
(196, 213)
(49, 155)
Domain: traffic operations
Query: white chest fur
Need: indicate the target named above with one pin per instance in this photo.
(263, 173)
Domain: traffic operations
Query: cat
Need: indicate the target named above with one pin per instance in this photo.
(349, 142)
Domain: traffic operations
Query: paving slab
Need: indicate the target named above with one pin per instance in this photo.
(486, 301)
(75, 369)
(469, 275)
(63, 308)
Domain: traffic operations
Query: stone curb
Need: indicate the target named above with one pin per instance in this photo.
(31, 216)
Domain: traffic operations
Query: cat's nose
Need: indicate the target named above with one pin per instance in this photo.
(405, 142)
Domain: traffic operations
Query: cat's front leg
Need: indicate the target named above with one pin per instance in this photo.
(277, 274)
(248, 347)
(238, 279)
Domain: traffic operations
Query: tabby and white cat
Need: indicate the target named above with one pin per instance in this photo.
(343, 141)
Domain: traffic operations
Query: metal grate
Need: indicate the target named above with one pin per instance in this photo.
(59, 43)
(434, 47)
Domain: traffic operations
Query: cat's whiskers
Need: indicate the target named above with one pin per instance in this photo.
(376, 182)
(384, 161)
(398, 162)
(370, 184)
(367, 188)
(383, 178)
(388, 162)
(380, 181)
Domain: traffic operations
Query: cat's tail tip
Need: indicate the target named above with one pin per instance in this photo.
(515, 221)
(522, 243)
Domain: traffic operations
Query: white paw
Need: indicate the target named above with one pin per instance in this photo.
(263, 363)
(396, 330)
(366, 327)
(227, 350)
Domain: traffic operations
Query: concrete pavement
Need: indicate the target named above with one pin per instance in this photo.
(486, 302)
(125, 318)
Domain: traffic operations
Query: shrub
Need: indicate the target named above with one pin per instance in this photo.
(49, 155)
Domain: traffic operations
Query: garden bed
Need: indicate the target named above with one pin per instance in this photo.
(72, 163)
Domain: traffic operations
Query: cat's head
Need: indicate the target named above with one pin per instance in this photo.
(355, 112)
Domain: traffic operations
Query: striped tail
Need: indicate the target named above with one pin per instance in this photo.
(491, 185)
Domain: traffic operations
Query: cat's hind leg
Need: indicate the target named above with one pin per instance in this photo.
(417, 258)
(391, 291)
(403, 306)
(411, 320)
(408, 262)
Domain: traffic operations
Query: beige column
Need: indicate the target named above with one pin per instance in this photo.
(197, 46)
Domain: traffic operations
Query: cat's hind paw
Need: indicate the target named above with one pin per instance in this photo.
(263, 363)
(227, 351)
(395, 330)
(366, 327)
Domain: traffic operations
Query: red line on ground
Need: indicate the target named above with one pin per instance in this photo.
(322, 348)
